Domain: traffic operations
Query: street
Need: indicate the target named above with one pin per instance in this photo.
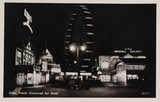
(102, 91)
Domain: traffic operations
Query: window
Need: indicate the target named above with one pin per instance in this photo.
(18, 58)
(18, 61)
(32, 60)
(24, 59)
(21, 79)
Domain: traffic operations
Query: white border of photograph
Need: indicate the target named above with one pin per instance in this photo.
(157, 99)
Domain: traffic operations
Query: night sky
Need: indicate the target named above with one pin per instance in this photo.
(116, 26)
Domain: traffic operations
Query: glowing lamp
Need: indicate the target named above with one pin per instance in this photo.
(83, 48)
(72, 48)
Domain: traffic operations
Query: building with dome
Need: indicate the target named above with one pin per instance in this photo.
(125, 66)
(112, 69)
(50, 71)
(46, 56)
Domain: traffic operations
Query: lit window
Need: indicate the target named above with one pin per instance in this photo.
(18, 61)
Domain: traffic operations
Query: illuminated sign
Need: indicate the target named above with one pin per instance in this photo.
(119, 51)
(127, 49)
(29, 20)
(136, 51)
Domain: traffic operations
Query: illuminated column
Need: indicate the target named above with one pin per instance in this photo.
(47, 77)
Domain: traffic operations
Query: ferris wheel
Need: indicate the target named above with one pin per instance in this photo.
(85, 43)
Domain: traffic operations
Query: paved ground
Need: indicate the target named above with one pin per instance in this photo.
(103, 91)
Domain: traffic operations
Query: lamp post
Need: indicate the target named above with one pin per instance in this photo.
(77, 47)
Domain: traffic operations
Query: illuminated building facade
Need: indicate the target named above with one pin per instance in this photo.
(27, 73)
(124, 69)
(136, 66)
(24, 56)
(50, 70)
(112, 69)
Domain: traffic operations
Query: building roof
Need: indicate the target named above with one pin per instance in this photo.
(134, 61)
(47, 53)
(128, 56)
(46, 56)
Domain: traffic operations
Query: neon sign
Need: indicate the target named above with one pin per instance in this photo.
(29, 20)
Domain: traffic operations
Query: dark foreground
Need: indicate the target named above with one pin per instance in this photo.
(101, 91)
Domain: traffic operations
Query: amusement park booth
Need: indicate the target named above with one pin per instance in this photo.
(112, 69)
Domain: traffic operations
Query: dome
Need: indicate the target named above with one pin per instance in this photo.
(46, 56)
(128, 56)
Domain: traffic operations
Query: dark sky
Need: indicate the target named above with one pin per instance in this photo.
(116, 26)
